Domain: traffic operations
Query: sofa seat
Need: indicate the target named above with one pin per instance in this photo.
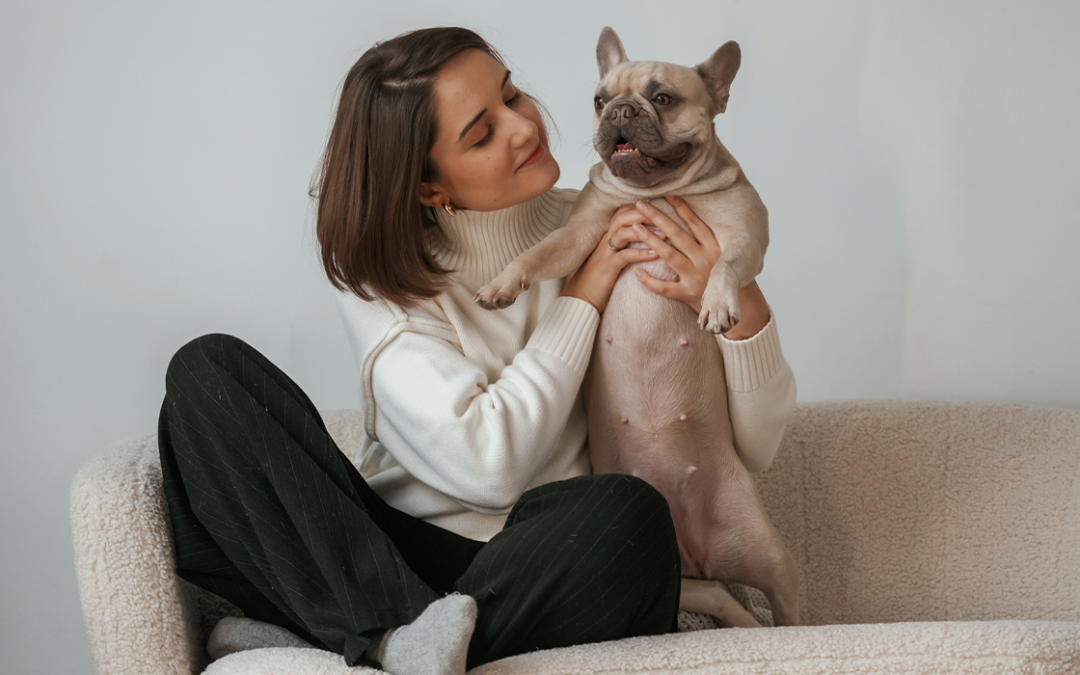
(930, 538)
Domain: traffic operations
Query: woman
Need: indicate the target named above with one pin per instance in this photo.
(478, 532)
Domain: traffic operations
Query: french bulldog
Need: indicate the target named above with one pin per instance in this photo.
(657, 390)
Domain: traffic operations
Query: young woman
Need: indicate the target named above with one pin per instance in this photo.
(472, 530)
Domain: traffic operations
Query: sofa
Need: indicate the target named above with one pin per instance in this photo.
(930, 538)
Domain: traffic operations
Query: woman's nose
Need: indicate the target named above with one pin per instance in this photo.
(523, 130)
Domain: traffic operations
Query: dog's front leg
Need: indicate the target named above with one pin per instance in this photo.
(740, 262)
(557, 255)
(707, 596)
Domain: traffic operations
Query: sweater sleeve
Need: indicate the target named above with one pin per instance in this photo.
(761, 394)
(481, 441)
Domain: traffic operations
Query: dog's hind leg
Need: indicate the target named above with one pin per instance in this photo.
(774, 573)
(752, 553)
(707, 596)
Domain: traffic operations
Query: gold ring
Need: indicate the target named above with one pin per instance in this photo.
(610, 246)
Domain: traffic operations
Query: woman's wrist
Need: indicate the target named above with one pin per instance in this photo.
(576, 287)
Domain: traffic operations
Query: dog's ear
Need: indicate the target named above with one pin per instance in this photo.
(609, 51)
(718, 71)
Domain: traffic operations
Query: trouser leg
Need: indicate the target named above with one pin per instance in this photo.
(268, 513)
(582, 560)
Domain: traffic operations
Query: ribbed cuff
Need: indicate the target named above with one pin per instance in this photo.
(752, 362)
(567, 330)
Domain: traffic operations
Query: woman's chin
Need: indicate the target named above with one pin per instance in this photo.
(539, 183)
(550, 172)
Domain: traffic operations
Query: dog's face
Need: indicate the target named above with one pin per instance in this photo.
(654, 118)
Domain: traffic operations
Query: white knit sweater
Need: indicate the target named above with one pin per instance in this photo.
(465, 409)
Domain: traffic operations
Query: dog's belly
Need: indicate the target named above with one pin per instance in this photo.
(658, 410)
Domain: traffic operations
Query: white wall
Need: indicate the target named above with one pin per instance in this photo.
(919, 160)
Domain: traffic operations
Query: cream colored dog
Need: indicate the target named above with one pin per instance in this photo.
(658, 398)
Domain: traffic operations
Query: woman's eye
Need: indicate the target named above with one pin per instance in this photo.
(487, 137)
(662, 99)
(491, 129)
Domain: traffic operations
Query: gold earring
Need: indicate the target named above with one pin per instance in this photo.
(449, 209)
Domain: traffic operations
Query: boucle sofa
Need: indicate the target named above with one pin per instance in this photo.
(931, 538)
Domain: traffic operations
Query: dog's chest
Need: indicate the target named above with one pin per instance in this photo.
(658, 385)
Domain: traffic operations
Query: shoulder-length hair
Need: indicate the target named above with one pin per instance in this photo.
(370, 224)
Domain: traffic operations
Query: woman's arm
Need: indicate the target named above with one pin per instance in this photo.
(761, 386)
(479, 438)
(761, 394)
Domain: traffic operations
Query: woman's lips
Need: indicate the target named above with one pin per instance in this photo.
(534, 157)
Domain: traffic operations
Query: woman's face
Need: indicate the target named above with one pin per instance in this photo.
(490, 148)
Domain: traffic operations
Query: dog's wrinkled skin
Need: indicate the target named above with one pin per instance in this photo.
(658, 397)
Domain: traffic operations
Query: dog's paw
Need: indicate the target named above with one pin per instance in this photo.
(496, 295)
(719, 309)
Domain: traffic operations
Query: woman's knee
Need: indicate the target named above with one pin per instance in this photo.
(611, 508)
(631, 508)
(631, 544)
(197, 357)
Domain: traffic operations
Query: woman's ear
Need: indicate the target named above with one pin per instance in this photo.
(432, 194)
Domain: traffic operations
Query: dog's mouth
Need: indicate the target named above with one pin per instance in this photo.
(625, 150)
(628, 157)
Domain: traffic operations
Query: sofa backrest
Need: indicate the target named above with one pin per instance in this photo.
(916, 511)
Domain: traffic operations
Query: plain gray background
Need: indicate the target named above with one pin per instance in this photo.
(919, 160)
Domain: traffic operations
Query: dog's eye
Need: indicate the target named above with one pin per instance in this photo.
(598, 102)
(662, 99)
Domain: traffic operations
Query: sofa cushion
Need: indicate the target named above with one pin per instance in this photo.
(975, 647)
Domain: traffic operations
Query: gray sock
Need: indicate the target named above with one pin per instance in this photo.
(436, 643)
(237, 634)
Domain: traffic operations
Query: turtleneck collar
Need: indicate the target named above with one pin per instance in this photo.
(478, 245)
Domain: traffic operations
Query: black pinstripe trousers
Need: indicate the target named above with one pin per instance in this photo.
(269, 514)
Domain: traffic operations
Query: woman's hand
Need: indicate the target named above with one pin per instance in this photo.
(594, 280)
(692, 255)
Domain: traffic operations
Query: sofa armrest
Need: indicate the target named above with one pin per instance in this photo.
(140, 616)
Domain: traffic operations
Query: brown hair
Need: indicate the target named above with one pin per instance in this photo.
(369, 222)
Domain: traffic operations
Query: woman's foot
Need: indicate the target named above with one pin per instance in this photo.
(236, 634)
(435, 643)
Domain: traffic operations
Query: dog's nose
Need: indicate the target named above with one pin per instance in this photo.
(620, 114)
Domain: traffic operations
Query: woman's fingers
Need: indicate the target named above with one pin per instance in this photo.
(680, 238)
(614, 259)
(668, 289)
(594, 280)
(675, 259)
(699, 245)
(622, 221)
(702, 232)
(623, 237)
(624, 216)
(632, 255)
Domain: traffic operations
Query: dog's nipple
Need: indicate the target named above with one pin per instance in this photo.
(608, 339)
(682, 417)
(684, 342)
(692, 469)
(624, 419)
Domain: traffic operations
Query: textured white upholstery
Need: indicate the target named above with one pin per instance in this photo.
(931, 538)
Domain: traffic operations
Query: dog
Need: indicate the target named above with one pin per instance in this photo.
(657, 391)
